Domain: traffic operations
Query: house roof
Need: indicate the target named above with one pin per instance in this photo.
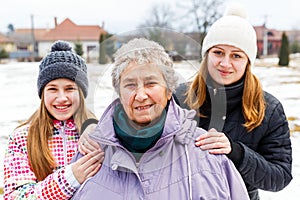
(38, 32)
(68, 30)
(4, 39)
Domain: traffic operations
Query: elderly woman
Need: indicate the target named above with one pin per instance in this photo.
(149, 140)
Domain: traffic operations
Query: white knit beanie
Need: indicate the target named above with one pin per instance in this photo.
(232, 29)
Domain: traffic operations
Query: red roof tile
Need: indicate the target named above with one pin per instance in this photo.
(4, 39)
(68, 30)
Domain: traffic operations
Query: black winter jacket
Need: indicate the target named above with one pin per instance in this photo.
(263, 156)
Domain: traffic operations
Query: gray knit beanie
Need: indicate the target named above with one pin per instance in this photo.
(61, 62)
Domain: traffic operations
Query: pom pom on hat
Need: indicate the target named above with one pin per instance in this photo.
(61, 46)
(61, 62)
(236, 9)
(233, 29)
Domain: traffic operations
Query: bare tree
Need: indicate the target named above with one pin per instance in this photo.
(159, 19)
(203, 13)
(196, 14)
(160, 16)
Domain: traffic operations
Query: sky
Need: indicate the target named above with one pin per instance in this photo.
(119, 16)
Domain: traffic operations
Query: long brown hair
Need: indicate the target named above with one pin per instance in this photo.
(40, 131)
(253, 102)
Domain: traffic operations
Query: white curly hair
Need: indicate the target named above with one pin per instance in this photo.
(143, 51)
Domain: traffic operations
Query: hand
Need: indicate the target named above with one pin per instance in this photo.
(87, 145)
(215, 142)
(88, 165)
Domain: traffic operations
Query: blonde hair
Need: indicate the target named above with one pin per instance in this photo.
(40, 131)
(253, 103)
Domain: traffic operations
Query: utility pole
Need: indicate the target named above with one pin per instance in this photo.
(33, 38)
(265, 37)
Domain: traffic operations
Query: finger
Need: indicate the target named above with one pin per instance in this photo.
(83, 166)
(94, 171)
(221, 147)
(94, 157)
(219, 151)
(82, 149)
(90, 157)
(212, 130)
(86, 146)
(83, 138)
(211, 138)
(92, 164)
(210, 133)
(92, 145)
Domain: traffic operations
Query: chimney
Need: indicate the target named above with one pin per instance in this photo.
(102, 25)
(55, 22)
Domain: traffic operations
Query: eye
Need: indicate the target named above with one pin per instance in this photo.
(71, 88)
(236, 56)
(51, 89)
(130, 86)
(217, 52)
(150, 83)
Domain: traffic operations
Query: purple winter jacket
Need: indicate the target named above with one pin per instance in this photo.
(174, 168)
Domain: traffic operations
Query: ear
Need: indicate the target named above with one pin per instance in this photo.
(169, 95)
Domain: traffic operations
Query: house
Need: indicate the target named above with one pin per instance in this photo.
(6, 43)
(272, 40)
(87, 35)
(25, 43)
(37, 42)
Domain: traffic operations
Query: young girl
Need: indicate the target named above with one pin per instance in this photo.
(243, 121)
(37, 160)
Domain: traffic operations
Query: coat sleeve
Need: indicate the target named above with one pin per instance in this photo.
(20, 181)
(270, 167)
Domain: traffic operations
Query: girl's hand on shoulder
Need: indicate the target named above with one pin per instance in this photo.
(87, 145)
(213, 141)
(88, 165)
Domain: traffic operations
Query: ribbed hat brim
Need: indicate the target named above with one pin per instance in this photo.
(62, 70)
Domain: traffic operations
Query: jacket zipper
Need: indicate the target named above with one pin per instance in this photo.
(64, 142)
(215, 91)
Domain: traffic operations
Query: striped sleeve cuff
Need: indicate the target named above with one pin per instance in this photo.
(70, 177)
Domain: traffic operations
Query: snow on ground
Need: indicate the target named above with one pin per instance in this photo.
(19, 100)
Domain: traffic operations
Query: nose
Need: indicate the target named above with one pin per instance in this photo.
(141, 94)
(61, 96)
(225, 62)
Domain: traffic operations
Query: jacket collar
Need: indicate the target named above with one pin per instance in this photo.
(69, 124)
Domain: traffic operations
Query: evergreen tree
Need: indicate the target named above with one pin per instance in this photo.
(78, 48)
(102, 56)
(109, 45)
(3, 54)
(284, 51)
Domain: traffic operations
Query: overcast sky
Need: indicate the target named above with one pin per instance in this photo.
(125, 15)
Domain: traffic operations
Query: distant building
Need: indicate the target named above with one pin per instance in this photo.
(6, 43)
(273, 40)
(87, 35)
(37, 42)
(33, 44)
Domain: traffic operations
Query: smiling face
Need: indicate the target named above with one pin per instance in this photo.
(61, 97)
(226, 64)
(143, 92)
